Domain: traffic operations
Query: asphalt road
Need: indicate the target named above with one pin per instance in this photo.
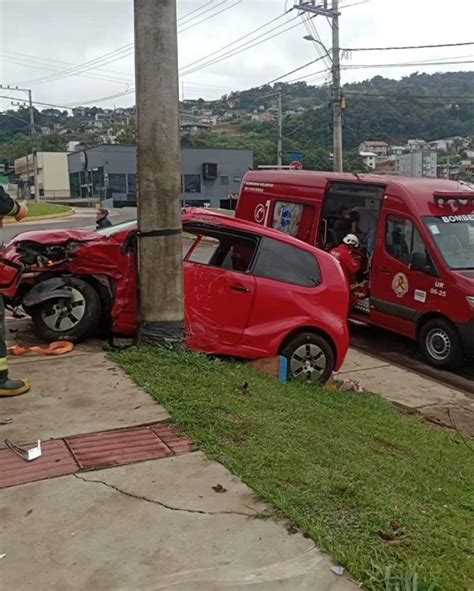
(83, 219)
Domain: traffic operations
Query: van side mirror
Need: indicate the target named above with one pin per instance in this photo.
(420, 262)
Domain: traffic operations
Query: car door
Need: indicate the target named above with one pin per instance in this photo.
(219, 294)
(398, 293)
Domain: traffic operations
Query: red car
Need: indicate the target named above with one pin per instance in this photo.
(250, 292)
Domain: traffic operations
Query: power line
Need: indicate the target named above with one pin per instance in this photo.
(350, 49)
(236, 41)
(245, 47)
(293, 71)
(406, 64)
(211, 16)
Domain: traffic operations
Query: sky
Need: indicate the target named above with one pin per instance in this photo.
(43, 43)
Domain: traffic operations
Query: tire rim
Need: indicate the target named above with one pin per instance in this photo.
(308, 363)
(438, 344)
(64, 314)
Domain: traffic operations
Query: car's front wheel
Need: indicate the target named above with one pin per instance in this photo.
(68, 319)
(310, 358)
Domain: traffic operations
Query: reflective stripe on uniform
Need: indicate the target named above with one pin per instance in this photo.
(3, 364)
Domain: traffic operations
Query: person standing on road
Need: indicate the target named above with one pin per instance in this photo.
(8, 387)
(102, 219)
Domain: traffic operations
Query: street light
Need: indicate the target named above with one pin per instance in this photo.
(314, 40)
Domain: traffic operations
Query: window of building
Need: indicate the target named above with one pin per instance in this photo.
(75, 183)
(192, 183)
(224, 180)
(284, 262)
(233, 252)
(117, 183)
(98, 181)
(132, 183)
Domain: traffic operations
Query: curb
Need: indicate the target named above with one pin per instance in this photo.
(53, 216)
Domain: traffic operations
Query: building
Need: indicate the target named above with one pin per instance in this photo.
(369, 159)
(395, 151)
(380, 149)
(52, 173)
(416, 144)
(421, 163)
(194, 128)
(109, 172)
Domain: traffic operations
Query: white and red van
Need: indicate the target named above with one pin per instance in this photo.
(419, 234)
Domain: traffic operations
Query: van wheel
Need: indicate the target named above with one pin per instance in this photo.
(310, 358)
(68, 319)
(440, 343)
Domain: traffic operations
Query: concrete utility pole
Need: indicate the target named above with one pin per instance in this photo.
(280, 131)
(159, 169)
(34, 145)
(321, 8)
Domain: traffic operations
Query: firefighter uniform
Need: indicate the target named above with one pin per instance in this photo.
(8, 387)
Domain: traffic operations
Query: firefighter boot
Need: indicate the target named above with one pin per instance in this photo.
(14, 387)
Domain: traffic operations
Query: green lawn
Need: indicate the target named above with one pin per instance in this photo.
(388, 496)
(40, 209)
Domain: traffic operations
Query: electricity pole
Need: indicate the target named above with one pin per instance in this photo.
(320, 8)
(280, 131)
(32, 135)
(34, 146)
(159, 169)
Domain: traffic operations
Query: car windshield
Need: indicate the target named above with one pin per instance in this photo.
(118, 228)
(454, 238)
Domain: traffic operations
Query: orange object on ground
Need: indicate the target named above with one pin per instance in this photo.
(56, 348)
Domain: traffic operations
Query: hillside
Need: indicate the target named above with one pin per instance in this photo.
(427, 106)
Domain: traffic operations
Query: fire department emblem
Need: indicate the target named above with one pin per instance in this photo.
(259, 213)
(400, 284)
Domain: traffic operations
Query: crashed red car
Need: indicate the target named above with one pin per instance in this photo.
(250, 292)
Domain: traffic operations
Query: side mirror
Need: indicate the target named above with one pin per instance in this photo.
(420, 262)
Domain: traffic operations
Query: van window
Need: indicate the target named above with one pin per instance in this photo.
(402, 239)
(284, 262)
(287, 217)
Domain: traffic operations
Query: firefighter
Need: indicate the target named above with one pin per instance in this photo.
(351, 263)
(8, 387)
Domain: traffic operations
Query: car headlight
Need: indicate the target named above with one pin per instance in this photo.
(470, 300)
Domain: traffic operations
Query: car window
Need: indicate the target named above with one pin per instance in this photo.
(234, 252)
(289, 264)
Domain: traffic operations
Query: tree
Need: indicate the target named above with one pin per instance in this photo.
(127, 134)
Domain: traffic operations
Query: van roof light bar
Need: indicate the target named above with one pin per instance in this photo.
(442, 198)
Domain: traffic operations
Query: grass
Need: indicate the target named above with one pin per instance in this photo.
(40, 209)
(388, 496)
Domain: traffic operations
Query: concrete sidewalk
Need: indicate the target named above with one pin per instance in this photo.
(441, 404)
(153, 525)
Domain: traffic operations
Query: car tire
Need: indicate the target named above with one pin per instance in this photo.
(440, 344)
(63, 319)
(310, 358)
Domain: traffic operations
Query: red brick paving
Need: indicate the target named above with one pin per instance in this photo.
(94, 451)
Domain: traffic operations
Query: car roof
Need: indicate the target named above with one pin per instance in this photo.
(417, 192)
(204, 216)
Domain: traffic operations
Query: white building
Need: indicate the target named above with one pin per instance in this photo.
(369, 159)
(380, 149)
(420, 163)
(52, 173)
(416, 144)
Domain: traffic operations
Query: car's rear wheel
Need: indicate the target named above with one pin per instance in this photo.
(440, 344)
(68, 319)
(310, 358)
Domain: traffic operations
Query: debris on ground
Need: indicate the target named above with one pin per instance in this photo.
(219, 488)
(55, 348)
(244, 389)
(2, 556)
(338, 570)
(350, 385)
(6, 420)
(26, 454)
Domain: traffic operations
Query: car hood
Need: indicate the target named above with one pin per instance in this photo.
(57, 236)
